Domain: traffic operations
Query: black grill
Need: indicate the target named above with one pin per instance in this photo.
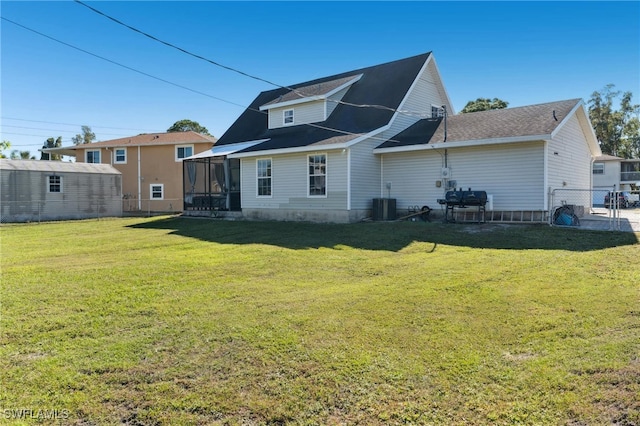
(463, 199)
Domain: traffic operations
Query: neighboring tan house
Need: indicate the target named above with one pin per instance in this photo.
(323, 150)
(33, 191)
(151, 166)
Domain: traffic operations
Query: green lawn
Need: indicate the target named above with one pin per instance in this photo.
(171, 321)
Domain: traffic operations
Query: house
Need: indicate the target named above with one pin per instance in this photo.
(323, 150)
(55, 190)
(150, 163)
(614, 173)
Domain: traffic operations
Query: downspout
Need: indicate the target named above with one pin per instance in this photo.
(139, 182)
(593, 160)
(546, 189)
(348, 179)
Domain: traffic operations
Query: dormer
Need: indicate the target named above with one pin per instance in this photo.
(308, 104)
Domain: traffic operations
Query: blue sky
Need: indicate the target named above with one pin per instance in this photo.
(522, 52)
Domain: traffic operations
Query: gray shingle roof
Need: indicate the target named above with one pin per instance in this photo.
(384, 84)
(531, 120)
(318, 89)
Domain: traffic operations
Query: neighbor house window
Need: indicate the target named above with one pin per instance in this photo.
(288, 116)
(183, 151)
(318, 175)
(92, 156)
(437, 111)
(598, 168)
(157, 191)
(55, 183)
(264, 177)
(120, 156)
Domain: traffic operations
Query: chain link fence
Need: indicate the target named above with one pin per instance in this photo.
(604, 209)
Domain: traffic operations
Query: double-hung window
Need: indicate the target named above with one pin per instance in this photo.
(157, 191)
(92, 156)
(598, 168)
(120, 155)
(437, 111)
(287, 116)
(317, 175)
(264, 177)
(183, 151)
(55, 183)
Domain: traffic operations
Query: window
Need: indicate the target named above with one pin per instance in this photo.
(93, 156)
(288, 116)
(264, 177)
(437, 111)
(183, 151)
(598, 168)
(157, 191)
(317, 175)
(55, 183)
(120, 156)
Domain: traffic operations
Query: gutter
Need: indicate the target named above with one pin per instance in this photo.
(462, 144)
(310, 148)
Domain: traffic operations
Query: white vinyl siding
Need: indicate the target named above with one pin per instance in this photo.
(290, 189)
(512, 173)
(365, 178)
(569, 159)
(310, 112)
(424, 94)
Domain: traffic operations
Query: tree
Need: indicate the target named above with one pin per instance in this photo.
(188, 125)
(52, 143)
(21, 155)
(617, 131)
(484, 104)
(4, 145)
(87, 136)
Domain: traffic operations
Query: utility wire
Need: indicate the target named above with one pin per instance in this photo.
(78, 125)
(119, 64)
(57, 130)
(218, 64)
(174, 84)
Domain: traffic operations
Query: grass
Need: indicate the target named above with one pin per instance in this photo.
(171, 321)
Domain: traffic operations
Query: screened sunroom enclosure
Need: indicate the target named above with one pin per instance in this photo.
(211, 183)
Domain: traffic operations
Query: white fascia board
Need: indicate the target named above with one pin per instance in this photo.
(461, 144)
(309, 148)
(342, 86)
(410, 90)
(311, 98)
(585, 124)
(441, 84)
(293, 102)
(62, 150)
(225, 150)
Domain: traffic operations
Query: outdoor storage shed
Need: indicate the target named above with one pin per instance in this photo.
(33, 190)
